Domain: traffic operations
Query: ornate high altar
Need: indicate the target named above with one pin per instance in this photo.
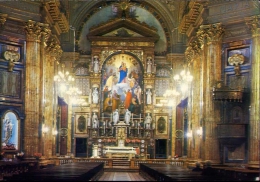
(121, 119)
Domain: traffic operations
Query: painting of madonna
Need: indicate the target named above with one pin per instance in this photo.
(122, 74)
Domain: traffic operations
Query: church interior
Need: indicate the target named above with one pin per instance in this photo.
(140, 80)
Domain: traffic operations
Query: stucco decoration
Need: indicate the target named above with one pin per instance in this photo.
(235, 61)
(12, 57)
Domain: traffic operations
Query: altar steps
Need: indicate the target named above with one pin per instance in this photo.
(121, 162)
(120, 165)
(121, 169)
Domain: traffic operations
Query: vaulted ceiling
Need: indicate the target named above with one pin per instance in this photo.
(162, 15)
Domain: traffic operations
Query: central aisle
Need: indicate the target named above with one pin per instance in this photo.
(121, 176)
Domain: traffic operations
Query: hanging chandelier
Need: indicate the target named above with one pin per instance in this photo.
(64, 79)
(183, 80)
(179, 85)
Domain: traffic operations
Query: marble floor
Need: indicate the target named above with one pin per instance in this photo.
(121, 176)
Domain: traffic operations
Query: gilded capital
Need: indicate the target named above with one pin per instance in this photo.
(46, 32)
(192, 50)
(34, 30)
(253, 24)
(53, 48)
(210, 33)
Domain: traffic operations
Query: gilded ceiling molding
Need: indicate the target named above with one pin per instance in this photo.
(53, 8)
(254, 24)
(126, 45)
(190, 19)
(210, 33)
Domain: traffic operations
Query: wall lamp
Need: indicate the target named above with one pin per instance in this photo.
(54, 132)
(199, 132)
(45, 129)
(189, 134)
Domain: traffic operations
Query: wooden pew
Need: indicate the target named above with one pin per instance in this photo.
(167, 172)
(80, 171)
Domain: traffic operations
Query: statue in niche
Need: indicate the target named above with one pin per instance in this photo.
(95, 121)
(236, 60)
(95, 96)
(149, 96)
(96, 64)
(149, 65)
(148, 121)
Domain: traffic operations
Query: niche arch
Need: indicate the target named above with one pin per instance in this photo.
(10, 131)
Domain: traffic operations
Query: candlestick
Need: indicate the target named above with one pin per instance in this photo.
(137, 127)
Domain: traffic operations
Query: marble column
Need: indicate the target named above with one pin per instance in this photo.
(33, 119)
(254, 25)
(192, 55)
(53, 53)
(210, 37)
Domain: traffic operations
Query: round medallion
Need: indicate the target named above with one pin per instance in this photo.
(63, 131)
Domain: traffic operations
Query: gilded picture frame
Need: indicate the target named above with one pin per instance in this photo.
(161, 127)
(81, 123)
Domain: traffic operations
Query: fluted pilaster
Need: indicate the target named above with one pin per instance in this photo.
(254, 25)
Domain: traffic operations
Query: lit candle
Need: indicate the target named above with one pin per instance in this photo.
(137, 126)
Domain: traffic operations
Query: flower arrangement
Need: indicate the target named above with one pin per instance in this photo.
(37, 155)
(20, 155)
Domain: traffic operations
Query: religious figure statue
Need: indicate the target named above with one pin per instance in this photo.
(8, 130)
(127, 116)
(149, 65)
(95, 96)
(148, 121)
(149, 96)
(115, 116)
(94, 120)
(96, 64)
